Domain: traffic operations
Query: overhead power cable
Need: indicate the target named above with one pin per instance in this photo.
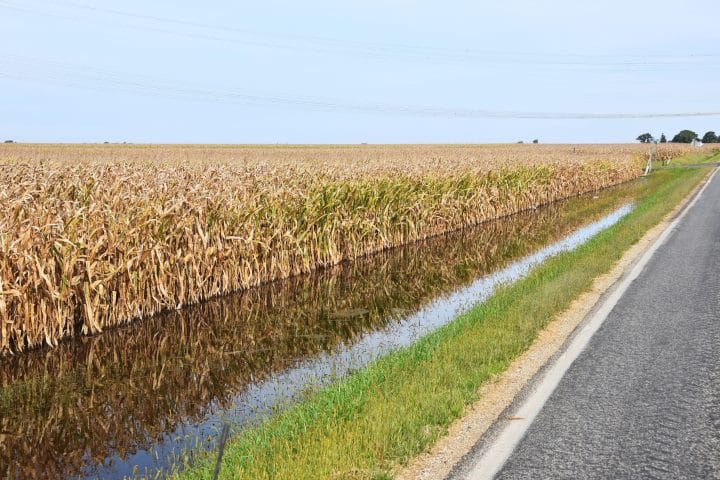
(88, 78)
(372, 50)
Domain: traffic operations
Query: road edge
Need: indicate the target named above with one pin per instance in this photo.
(494, 452)
(500, 400)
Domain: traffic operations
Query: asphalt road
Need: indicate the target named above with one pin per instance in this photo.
(643, 399)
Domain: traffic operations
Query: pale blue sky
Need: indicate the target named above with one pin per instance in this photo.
(355, 71)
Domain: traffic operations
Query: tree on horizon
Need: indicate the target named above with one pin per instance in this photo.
(710, 137)
(645, 138)
(685, 136)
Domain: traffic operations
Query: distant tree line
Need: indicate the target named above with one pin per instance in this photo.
(684, 136)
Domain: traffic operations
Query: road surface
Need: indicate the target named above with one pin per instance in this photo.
(642, 400)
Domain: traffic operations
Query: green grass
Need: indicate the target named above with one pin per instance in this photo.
(710, 154)
(369, 423)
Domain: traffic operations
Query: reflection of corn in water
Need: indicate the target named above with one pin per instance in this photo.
(128, 386)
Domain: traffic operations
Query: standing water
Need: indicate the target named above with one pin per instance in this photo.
(140, 398)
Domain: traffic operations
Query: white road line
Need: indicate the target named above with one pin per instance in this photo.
(493, 457)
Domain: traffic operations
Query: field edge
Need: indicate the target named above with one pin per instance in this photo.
(379, 419)
(498, 396)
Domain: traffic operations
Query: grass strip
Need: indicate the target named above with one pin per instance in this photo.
(382, 416)
(709, 155)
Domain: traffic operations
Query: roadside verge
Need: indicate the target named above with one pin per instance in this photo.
(384, 415)
(509, 403)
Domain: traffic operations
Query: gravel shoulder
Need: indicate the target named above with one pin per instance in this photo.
(643, 399)
(497, 396)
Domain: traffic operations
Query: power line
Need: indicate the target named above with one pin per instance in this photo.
(421, 50)
(106, 80)
(381, 51)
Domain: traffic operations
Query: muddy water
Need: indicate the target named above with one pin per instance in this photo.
(137, 399)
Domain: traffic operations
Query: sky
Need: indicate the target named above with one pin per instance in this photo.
(321, 71)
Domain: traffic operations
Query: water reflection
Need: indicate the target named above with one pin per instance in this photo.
(102, 405)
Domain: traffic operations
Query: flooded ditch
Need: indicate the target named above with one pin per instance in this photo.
(139, 398)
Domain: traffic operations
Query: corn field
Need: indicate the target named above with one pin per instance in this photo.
(96, 236)
(65, 405)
